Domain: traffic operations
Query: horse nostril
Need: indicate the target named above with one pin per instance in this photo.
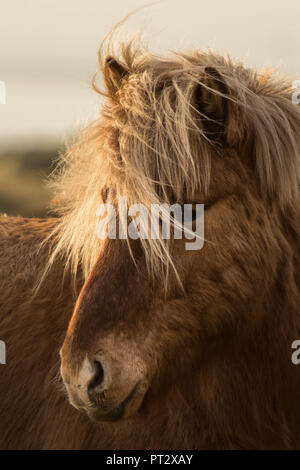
(97, 380)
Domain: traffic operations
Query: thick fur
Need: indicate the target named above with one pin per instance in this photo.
(216, 334)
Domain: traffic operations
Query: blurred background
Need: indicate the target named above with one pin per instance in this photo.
(48, 54)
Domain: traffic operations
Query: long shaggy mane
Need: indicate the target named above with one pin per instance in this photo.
(151, 144)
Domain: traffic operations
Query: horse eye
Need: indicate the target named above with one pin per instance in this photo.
(194, 211)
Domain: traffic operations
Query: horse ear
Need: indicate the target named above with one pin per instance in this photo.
(114, 73)
(218, 112)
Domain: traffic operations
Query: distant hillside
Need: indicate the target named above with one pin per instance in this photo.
(23, 178)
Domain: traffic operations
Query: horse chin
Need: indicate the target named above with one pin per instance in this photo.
(96, 415)
(125, 409)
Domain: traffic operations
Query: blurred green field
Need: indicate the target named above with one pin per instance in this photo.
(23, 177)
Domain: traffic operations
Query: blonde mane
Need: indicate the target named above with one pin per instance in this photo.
(149, 143)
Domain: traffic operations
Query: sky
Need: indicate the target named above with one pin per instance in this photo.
(48, 51)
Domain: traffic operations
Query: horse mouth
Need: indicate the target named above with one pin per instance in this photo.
(117, 413)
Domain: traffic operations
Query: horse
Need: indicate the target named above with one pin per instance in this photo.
(140, 343)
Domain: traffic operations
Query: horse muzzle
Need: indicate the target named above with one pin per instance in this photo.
(103, 389)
